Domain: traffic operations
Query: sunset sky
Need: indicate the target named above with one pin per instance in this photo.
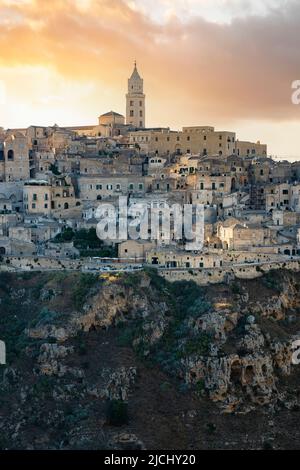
(226, 63)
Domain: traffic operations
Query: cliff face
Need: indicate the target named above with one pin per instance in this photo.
(173, 365)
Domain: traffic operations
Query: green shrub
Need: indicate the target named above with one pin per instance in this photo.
(165, 386)
(46, 317)
(271, 281)
(198, 345)
(80, 343)
(117, 413)
(82, 288)
(126, 337)
(235, 288)
(211, 428)
(200, 386)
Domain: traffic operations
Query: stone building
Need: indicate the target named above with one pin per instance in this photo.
(93, 187)
(48, 197)
(110, 124)
(167, 258)
(197, 140)
(135, 100)
(238, 235)
(283, 196)
(134, 249)
(14, 158)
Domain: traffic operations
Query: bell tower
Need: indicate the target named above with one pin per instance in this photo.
(135, 100)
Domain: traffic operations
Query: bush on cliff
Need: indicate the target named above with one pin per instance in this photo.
(117, 413)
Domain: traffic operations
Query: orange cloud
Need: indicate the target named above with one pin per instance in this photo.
(195, 70)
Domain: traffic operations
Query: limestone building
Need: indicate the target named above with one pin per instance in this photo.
(110, 124)
(48, 197)
(200, 140)
(14, 158)
(135, 100)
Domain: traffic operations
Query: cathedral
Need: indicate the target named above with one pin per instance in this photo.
(110, 124)
(113, 124)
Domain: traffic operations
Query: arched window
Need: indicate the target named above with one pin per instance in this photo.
(10, 155)
(66, 205)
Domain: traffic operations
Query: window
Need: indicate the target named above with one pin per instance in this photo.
(213, 186)
(98, 187)
(131, 187)
(141, 123)
(141, 186)
(204, 137)
(188, 138)
(34, 197)
(141, 103)
(10, 155)
(46, 197)
(131, 113)
(131, 103)
(46, 206)
(285, 191)
(141, 113)
(178, 138)
(33, 206)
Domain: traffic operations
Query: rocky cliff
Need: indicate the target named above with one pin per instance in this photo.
(134, 361)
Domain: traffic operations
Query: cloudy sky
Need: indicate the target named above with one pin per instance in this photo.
(227, 63)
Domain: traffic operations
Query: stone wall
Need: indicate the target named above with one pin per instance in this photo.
(226, 274)
(200, 276)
